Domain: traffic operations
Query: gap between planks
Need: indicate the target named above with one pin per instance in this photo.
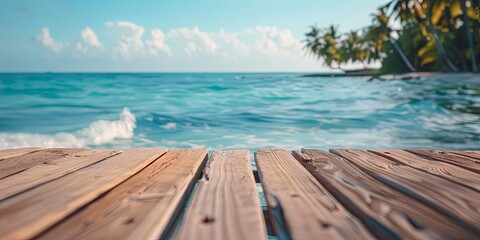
(226, 204)
(299, 205)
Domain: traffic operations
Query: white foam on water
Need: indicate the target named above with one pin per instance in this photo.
(169, 126)
(97, 133)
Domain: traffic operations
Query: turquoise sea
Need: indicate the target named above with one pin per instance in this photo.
(237, 110)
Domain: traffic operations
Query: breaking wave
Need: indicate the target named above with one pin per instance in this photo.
(97, 133)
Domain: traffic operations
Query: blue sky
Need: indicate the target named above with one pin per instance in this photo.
(168, 36)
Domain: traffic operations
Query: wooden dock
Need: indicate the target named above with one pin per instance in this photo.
(155, 193)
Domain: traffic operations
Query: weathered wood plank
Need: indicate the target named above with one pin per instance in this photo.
(455, 159)
(27, 214)
(226, 204)
(50, 170)
(300, 206)
(470, 153)
(142, 206)
(13, 165)
(452, 200)
(438, 168)
(387, 213)
(8, 153)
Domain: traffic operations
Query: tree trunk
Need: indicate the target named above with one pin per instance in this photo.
(438, 44)
(473, 58)
(402, 55)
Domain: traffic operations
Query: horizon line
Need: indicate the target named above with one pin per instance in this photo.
(174, 72)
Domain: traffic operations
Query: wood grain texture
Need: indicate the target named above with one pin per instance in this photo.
(13, 165)
(300, 206)
(27, 214)
(50, 170)
(470, 153)
(8, 153)
(455, 159)
(226, 204)
(452, 200)
(442, 169)
(387, 213)
(142, 206)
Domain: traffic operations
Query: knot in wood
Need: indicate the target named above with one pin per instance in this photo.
(207, 219)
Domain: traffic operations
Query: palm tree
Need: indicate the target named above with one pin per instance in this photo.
(380, 32)
(314, 41)
(351, 48)
(433, 35)
(426, 13)
(466, 20)
(433, 14)
(324, 45)
(355, 48)
(332, 48)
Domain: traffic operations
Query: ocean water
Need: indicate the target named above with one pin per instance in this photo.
(237, 110)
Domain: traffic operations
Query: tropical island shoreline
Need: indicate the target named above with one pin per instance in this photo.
(406, 37)
(384, 76)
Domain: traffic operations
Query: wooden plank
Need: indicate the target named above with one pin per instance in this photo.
(448, 171)
(387, 213)
(470, 153)
(27, 214)
(455, 159)
(141, 207)
(299, 205)
(226, 204)
(20, 163)
(8, 153)
(452, 200)
(50, 170)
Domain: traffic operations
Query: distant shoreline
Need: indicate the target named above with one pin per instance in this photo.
(386, 76)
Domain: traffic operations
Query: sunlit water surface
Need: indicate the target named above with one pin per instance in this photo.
(251, 111)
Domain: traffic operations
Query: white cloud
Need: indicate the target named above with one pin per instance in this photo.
(237, 47)
(180, 32)
(286, 39)
(157, 43)
(47, 41)
(262, 48)
(202, 41)
(257, 42)
(88, 43)
(190, 48)
(129, 36)
(272, 41)
(208, 44)
(81, 48)
(90, 38)
(130, 44)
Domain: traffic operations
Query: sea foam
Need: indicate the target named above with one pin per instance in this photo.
(97, 133)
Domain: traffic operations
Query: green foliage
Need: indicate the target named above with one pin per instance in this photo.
(323, 43)
(430, 35)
